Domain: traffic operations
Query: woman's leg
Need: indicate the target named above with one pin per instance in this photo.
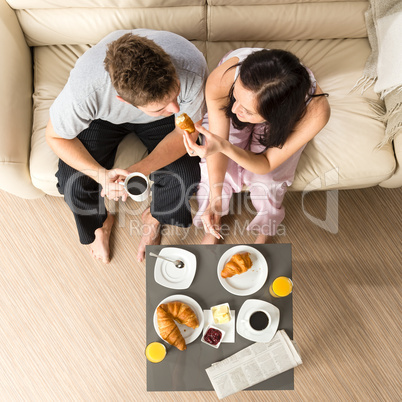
(267, 197)
(267, 193)
(203, 195)
(232, 181)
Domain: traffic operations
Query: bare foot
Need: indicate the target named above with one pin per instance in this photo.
(263, 239)
(209, 239)
(99, 249)
(151, 233)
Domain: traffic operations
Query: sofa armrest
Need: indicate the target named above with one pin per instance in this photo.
(395, 180)
(16, 111)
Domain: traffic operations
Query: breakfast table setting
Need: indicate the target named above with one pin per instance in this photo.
(210, 304)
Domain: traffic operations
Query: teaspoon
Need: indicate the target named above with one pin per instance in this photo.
(177, 263)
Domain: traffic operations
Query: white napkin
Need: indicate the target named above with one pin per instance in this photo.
(228, 327)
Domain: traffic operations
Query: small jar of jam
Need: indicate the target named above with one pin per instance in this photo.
(213, 336)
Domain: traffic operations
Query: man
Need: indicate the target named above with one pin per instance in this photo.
(131, 81)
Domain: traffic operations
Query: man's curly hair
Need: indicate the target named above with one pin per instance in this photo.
(140, 70)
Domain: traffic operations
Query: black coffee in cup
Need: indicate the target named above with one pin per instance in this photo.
(259, 320)
(136, 185)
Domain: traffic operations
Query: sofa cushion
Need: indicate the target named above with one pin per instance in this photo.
(54, 22)
(233, 20)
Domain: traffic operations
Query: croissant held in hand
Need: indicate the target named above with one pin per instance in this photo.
(238, 264)
(167, 314)
(185, 123)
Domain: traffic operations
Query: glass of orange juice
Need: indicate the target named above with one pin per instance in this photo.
(155, 352)
(281, 287)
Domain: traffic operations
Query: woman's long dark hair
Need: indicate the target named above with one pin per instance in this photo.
(281, 85)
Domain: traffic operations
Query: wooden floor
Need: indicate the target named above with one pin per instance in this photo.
(72, 329)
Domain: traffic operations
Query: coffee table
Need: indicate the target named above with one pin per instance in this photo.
(185, 370)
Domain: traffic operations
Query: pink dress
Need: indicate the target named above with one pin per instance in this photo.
(266, 191)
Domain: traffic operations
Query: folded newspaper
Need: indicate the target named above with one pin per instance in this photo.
(253, 365)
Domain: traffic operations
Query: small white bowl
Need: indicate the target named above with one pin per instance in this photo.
(219, 305)
(216, 329)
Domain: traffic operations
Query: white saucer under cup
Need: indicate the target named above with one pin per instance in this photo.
(250, 307)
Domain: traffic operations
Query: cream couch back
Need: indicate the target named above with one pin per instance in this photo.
(329, 36)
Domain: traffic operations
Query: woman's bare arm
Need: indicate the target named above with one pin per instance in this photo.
(316, 117)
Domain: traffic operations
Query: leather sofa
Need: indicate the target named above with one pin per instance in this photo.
(42, 39)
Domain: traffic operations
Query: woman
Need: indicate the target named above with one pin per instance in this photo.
(263, 108)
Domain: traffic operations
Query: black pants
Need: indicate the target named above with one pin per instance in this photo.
(172, 188)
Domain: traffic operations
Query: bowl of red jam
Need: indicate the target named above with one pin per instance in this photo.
(213, 336)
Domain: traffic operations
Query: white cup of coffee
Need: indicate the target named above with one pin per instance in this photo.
(137, 186)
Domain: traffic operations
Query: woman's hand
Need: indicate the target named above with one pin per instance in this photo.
(212, 144)
(211, 220)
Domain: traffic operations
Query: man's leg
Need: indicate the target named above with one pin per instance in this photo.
(82, 193)
(172, 188)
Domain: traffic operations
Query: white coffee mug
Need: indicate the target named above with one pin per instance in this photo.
(137, 186)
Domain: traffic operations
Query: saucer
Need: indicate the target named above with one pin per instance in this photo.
(244, 328)
(166, 274)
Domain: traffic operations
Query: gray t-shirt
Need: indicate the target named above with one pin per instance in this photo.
(89, 94)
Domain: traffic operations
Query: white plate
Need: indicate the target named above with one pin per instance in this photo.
(249, 282)
(166, 274)
(189, 334)
(243, 326)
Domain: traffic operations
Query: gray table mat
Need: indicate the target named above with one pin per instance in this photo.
(185, 370)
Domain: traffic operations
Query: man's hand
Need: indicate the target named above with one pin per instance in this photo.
(111, 182)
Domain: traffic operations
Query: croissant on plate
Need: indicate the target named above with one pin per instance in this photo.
(170, 312)
(238, 264)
